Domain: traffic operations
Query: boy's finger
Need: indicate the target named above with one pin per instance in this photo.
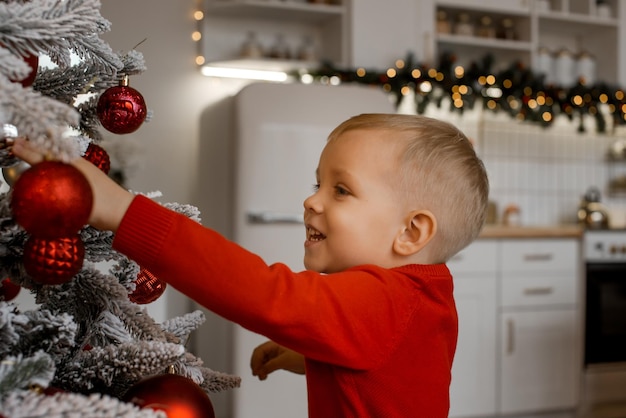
(25, 151)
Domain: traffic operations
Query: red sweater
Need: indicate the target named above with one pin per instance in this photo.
(377, 342)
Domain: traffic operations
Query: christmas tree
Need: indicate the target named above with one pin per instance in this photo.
(90, 342)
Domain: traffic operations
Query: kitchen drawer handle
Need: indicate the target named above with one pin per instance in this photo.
(536, 291)
(275, 218)
(538, 257)
(510, 341)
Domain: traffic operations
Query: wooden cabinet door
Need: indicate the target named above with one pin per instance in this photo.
(540, 360)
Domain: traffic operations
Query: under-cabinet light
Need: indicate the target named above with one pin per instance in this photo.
(242, 73)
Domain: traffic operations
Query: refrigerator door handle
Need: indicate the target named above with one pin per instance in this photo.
(275, 218)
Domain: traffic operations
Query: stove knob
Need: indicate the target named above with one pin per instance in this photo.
(613, 249)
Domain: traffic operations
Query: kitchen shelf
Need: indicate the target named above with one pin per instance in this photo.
(476, 41)
(227, 24)
(268, 9)
(579, 18)
(571, 25)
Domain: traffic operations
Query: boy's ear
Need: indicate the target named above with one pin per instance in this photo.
(420, 228)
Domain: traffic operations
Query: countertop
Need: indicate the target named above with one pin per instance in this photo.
(557, 231)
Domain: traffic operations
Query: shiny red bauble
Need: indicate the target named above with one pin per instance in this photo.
(177, 395)
(53, 261)
(97, 156)
(51, 200)
(121, 109)
(148, 288)
(8, 290)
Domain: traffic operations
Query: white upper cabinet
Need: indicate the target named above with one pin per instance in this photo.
(293, 34)
(264, 34)
(562, 39)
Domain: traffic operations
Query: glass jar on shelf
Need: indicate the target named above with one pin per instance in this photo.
(280, 49)
(603, 9)
(306, 51)
(464, 25)
(443, 22)
(485, 27)
(506, 29)
(251, 48)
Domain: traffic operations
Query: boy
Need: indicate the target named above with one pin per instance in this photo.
(373, 314)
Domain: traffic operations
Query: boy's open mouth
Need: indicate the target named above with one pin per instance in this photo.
(313, 234)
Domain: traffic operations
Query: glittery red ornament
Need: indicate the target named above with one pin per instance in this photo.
(51, 200)
(148, 288)
(53, 261)
(177, 395)
(97, 156)
(121, 109)
(8, 290)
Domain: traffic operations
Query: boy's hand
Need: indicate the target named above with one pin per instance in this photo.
(110, 200)
(269, 357)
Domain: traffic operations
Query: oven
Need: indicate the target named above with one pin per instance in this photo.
(605, 300)
(604, 377)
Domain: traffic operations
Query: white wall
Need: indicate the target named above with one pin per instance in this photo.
(176, 93)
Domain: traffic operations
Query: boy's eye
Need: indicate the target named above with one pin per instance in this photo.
(341, 191)
(316, 187)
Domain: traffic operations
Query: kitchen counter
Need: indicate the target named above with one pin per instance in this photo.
(557, 231)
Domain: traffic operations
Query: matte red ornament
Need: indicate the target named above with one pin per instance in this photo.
(9, 290)
(97, 156)
(148, 288)
(53, 261)
(177, 395)
(51, 200)
(121, 109)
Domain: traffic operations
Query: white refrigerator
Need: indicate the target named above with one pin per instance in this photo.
(279, 131)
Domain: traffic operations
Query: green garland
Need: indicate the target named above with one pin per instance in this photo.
(517, 90)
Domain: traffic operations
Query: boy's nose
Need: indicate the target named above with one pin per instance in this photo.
(312, 203)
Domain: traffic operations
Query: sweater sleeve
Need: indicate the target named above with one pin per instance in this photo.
(351, 319)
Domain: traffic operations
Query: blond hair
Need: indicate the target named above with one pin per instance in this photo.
(440, 172)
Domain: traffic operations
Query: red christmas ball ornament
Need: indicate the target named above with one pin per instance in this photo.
(51, 200)
(33, 62)
(53, 261)
(148, 288)
(177, 395)
(8, 290)
(97, 156)
(121, 109)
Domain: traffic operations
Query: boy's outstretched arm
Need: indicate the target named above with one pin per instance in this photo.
(110, 200)
(269, 357)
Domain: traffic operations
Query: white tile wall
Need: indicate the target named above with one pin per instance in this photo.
(543, 171)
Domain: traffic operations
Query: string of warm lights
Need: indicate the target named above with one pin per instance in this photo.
(516, 90)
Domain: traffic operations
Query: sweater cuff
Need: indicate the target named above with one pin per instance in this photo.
(143, 230)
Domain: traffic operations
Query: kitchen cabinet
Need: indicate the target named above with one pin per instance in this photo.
(473, 387)
(280, 31)
(559, 27)
(374, 34)
(520, 327)
(540, 325)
